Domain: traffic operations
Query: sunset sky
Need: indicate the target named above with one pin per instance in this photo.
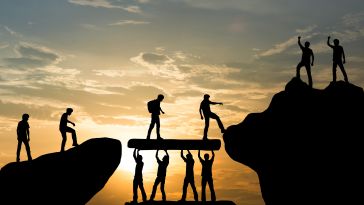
(107, 58)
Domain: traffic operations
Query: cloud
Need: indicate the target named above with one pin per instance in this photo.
(89, 26)
(106, 4)
(12, 32)
(3, 45)
(307, 29)
(159, 64)
(279, 48)
(128, 22)
(32, 56)
(109, 73)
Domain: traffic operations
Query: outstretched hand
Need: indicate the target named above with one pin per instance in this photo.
(201, 118)
(299, 37)
(162, 112)
(328, 37)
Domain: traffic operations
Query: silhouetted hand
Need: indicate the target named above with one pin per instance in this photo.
(328, 37)
(299, 37)
(73, 124)
(201, 118)
(311, 64)
(162, 112)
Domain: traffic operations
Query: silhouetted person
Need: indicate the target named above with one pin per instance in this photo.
(63, 128)
(23, 134)
(207, 175)
(338, 59)
(161, 175)
(154, 107)
(189, 179)
(138, 177)
(305, 60)
(205, 108)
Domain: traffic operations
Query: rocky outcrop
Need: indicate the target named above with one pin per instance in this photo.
(72, 177)
(306, 147)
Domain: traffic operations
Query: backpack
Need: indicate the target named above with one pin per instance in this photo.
(151, 106)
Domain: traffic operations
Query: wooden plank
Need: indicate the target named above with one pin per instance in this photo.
(174, 144)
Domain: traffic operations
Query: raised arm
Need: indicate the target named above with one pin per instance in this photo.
(328, 42)
(135, 155)
(183, 157)
(156, 156)
(199, 155)
(213, 155)
(299, 42)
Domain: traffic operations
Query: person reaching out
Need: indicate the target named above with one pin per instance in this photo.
(206, 110)
(307, 54)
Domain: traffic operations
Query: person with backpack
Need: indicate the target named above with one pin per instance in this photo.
(154, 107)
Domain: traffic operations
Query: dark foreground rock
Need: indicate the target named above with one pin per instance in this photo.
(69, 178)
(182, 203)
(307, 146)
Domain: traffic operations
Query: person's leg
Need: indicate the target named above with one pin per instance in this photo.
(74, 137)
(141, 186)
(64, 139)
(151, 126)
(212, 190)
(184, 189)
(298, 70)
(158, 123)
(195, 194)
(334, 65)
(203, 189)
(156, 182)
(308, 69)
(217, 118)
(207, 124)
(163, 181)
(135, 190)
(18, 151)
(343, 71)
(27, 148)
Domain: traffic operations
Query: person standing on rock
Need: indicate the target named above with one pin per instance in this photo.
(23, 134)
(189, 179)
(63, 128)
(307, 54)
(138, 177)
(207, 175)
(338, 59)
(161, 175)
(154, 107)
(206, 110)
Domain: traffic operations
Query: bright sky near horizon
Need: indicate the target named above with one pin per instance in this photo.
(107, 58)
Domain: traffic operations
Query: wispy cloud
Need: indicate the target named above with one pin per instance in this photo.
(306, 30)
(12, 32)
(3, 45)
(109, 73)
(106, 4)
(128, 22)
(32, 56)
(279, 48)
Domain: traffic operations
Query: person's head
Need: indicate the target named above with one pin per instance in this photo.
(307, 44)
(206, 96)
(189, 156)
(206, 156)
(25, 116)
(139, 158)
(336, 42)
(160, 97)
(69, 111)
(165, 158)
